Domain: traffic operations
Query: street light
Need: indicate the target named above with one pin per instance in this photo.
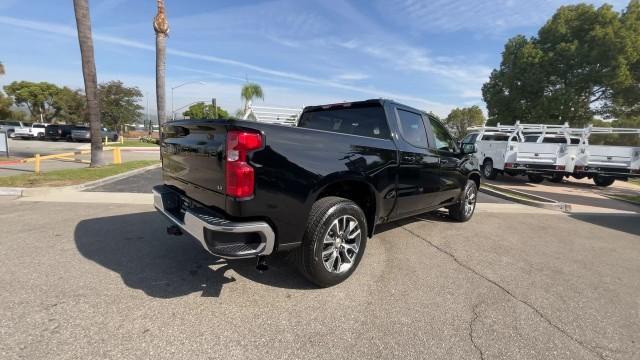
(177, 86)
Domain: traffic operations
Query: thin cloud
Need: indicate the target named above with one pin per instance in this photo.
(71, 32)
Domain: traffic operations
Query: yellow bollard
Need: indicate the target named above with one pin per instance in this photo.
(37, 164)
(121, 139)
(117, 156)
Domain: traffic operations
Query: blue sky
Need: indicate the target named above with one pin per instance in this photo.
(434, 55)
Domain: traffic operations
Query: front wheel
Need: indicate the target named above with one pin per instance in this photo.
(464, 209)
(334, 241)
(603, 180)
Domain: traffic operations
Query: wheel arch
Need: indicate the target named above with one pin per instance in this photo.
(357, 190)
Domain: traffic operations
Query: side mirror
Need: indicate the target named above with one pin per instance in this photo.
(469, 148)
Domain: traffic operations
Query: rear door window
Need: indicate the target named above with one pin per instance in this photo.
(412, 128)
(368, 120)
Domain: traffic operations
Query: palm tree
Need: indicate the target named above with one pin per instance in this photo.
(161, 27)
(249, 92)
(83, 21)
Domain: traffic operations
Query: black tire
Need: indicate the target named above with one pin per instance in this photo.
(41, 136)
(11, 134)
(309, 256)
(603, 180)
(488, 170)
(578, 177)
(535, 178)
(463, 211)
(114, 138)
(557, 178)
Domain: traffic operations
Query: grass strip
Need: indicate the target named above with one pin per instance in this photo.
(72, 176)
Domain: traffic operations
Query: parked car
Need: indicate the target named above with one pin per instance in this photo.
(58, 132)
(10, 126)
(83, 133)
(318, 189)
(35, 131)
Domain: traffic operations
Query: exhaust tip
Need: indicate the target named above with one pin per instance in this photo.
(262, 266)
(174, 230)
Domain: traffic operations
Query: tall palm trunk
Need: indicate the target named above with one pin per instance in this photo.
(161, 27)
(83, 20)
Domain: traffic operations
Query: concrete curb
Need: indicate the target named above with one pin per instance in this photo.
(614, 197)
(42, 191)
(110, 179)
(7, 191)
(508, 194)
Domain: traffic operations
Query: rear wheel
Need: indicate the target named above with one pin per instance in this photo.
(464, 209)
(488, 171)
(333, 243)
(41, 136)
(535, 178)
(603, 180)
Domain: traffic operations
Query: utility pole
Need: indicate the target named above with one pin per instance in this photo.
(215, 108)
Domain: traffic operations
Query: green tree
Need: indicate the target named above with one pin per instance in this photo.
(71, 106)
(119, 104)
(584, 62)
(205, 111)
(5, 106)
(249, 92)
(459, 120)
(39, 98)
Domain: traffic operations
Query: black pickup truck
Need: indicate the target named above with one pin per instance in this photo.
(319, 189)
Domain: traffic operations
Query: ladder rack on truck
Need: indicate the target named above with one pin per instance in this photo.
(273, 115)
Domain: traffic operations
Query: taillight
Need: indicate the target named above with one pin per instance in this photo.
(559, 167)
(508, 165)
(239, 175)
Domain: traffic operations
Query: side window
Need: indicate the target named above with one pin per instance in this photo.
(442, 137)
(412, 128)
(470, 139)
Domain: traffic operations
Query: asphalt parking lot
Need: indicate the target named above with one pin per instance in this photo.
(105, 281)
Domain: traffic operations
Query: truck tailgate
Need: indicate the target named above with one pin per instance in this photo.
(193, 153)
(534, 153)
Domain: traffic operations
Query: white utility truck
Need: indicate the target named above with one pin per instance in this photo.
(606, 163)
(535, 150)
(35, 131)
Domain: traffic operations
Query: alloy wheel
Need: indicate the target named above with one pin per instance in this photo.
(341, 244)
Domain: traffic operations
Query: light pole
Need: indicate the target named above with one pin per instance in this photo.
(177, 86)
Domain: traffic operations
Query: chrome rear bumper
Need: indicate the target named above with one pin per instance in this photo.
(217, 235)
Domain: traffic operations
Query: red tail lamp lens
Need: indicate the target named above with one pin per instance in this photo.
(239, 175)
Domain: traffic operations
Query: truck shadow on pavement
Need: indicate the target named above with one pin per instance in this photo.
(137, 247)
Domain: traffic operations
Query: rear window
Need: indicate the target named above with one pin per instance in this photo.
(560, 140)
(368, 120)
(80, 128)
(495, 137)
(39, 126)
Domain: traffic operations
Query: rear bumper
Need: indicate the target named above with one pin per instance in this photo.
(617, 172)
(220, 237)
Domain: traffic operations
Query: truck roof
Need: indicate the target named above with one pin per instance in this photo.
(345, 104)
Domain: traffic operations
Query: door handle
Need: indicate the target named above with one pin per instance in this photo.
(444, 161)
(409, 158)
